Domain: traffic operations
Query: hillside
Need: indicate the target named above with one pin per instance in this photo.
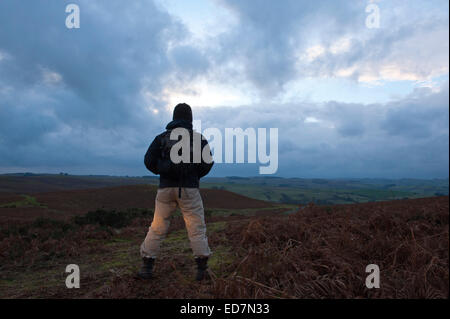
(63, 204)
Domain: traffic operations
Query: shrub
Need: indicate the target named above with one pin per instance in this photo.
(112, 218)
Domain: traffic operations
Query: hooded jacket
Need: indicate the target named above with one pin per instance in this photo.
(153, 159)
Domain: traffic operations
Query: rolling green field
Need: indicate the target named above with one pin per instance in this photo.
(325, 192)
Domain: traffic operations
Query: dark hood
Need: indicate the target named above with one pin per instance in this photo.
(179, 123)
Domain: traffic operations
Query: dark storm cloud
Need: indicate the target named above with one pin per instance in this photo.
(74, 96)
(101, 73)
(412, 118)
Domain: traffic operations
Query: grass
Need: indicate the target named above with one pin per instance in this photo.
(261, 252)
(118, 256)
(112, 218)
(27, 201)
(246, 211)
(221, 257)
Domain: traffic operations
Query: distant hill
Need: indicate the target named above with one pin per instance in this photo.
(31, 183)
(267, 188)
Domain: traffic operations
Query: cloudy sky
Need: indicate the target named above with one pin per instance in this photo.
(348, 100)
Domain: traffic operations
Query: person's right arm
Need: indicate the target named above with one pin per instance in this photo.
(152, 156)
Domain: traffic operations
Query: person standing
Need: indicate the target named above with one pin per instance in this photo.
(178, 186)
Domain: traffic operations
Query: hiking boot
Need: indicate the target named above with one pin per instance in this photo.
(202, 266)
(147, 268)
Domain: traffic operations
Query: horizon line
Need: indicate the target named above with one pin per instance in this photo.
(228, 176)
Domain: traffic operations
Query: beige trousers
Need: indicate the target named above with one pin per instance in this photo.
(191, 207)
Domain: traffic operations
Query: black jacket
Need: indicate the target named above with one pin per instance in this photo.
(153, 157)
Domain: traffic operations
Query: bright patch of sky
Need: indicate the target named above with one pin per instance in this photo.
(366, 82)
